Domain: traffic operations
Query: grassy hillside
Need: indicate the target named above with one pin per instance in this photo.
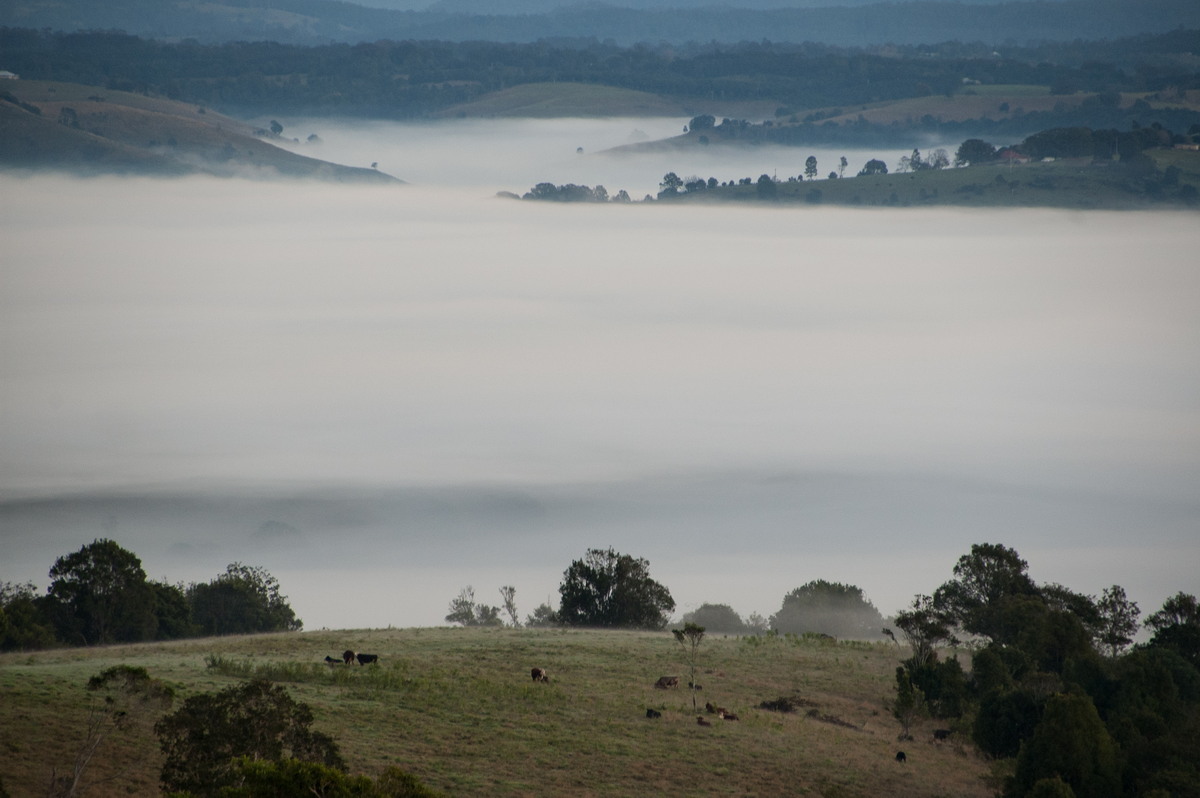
(89, 130)
(552, 100)
(457, 708)
(1058, 184)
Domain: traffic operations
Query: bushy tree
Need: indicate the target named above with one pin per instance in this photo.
(909, 706)
(983, 578)
(828, 608)
(99, 594)
(873, 167)
(716, 618)
(23, 622)
(1177, 627)
(973, 152)
(608, 589)
(925, 627)
(542, 616)
(810, 167)
(202, 740)
(466, 611)
(1118, 620)
(1072, 743)
(243, 600)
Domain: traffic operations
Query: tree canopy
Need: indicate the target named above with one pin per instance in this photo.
(608, 589)
(243, 600)
(828, 608)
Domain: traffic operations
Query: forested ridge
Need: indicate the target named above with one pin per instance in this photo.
(325, 21)
(410, 79)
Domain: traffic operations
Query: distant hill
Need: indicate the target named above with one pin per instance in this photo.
(627, 22)
(88, 130)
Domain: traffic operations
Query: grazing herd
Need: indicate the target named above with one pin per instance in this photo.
(349, 657)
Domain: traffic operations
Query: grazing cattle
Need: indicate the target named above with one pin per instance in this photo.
(941, 734)
(901, 756)
(700, 721)
(332, 661)
(367, 659)
(348, 656)
(695, 686)
(708, 707)
(667, 681)
(653, 713)
(539, 675)
(723, 715)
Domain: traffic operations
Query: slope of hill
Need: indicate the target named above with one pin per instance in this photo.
(87, 130)
(324, 21)
(457, 708)
(551, 100)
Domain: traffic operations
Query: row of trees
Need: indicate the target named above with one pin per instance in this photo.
(100, 594)
(606, 589)
(1055, 686)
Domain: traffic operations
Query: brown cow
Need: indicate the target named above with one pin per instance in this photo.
(700, 721)
(348, 656)
(723, 715)
(667, 681)
(539, 675)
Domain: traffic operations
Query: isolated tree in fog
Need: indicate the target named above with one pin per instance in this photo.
(466, 611)
(810, 167)
(873, 167)
(608, 589)
(828, 608)
(690, 637)
(716, 618)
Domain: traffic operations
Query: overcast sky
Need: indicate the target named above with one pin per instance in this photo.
(383, 395)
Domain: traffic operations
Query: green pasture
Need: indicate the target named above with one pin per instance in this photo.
(458, 709)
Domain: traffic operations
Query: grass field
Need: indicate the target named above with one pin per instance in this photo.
(457, 708)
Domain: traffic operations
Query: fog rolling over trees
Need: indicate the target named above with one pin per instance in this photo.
(383, 396)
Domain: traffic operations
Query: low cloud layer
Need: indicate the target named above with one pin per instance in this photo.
(430, 388)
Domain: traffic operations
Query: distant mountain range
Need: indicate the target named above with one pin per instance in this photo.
(626, 22)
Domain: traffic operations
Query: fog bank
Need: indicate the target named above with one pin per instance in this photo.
(424, 387)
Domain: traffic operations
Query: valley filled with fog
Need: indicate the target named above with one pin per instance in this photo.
(383, 394)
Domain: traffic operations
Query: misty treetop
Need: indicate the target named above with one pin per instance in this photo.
(100, 595)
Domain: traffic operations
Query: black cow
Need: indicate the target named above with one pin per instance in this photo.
(941, 734)
(653, 713)
(367, 659)
(332, 661)
(901, 757)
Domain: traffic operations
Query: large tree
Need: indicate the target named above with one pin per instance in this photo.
(99, 594)
(716, 618)
(608, 589)
(828, 608)
(984, 579)
(243, 600)
(1177, 626)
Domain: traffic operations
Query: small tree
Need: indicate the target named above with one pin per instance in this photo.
(123, 697)
(842, 164)
(509, 595)
(924, 627)
(1118, 620)
(873, 167)
(464, 610)
(542, 616)
(690, 637)
(202, 740)
(810, 167)
(909, 705)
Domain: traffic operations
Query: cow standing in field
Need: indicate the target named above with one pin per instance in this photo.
(665, 682)
(348, 657)
(367, 659)
(539, 675)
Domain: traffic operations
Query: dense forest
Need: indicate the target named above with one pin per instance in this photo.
(409, 79)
